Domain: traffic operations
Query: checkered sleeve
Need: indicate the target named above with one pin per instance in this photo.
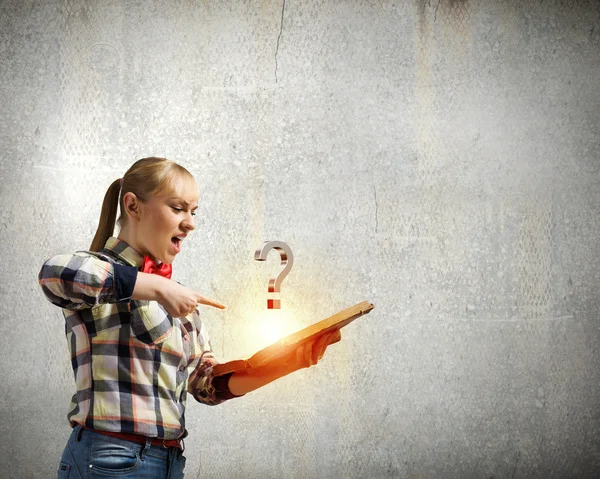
(202, 384)
(78, 281)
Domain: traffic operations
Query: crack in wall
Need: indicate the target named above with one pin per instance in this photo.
(376, 208)
(278, 38)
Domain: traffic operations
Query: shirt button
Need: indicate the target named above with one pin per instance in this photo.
(186, 338)
(182, 368)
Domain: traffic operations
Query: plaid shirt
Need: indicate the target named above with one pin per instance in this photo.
(130, 358)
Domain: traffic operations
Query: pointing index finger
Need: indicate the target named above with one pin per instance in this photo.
(210, 302)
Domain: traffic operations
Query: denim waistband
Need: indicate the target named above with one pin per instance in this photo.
(154, 450)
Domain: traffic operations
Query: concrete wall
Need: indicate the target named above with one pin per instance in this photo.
(440, 159)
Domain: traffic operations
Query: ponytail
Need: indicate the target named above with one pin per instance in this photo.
(106, 225)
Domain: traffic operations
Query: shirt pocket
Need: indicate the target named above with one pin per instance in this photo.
(150, 322)
(105, 318)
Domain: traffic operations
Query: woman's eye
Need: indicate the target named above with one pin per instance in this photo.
(181, 209)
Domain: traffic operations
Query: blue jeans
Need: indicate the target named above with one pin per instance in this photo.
(90, 455)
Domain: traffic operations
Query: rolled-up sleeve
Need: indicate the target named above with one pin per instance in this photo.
(205, 387)
(78, 281)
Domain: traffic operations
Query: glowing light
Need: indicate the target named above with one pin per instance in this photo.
(272, 325)
(271, 329)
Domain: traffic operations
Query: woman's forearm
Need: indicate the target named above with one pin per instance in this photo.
(148, 287)
(242, 383)
(304, 356)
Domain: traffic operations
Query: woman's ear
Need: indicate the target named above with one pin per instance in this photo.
(132, 205)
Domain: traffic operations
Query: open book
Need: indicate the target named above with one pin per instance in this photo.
(281, 348)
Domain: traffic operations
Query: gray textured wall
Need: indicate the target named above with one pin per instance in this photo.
(439, 159)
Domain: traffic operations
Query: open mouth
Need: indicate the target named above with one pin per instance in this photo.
(176, 243)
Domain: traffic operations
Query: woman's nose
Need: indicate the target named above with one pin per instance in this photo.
(189, 223)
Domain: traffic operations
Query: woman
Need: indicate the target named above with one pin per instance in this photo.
(134, 333)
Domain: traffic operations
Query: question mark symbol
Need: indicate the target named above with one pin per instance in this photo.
(287, 260)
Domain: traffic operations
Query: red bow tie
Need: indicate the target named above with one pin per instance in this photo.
(149, 266)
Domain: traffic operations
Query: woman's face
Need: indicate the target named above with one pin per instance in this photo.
(164, 222)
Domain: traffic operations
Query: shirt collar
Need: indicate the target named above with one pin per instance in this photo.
(124, 251)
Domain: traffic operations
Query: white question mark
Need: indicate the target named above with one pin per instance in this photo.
(287, 260)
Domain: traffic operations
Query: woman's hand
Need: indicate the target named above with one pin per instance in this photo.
(310, 353)
(179, 300)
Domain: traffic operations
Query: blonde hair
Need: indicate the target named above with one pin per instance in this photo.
(145, 178)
